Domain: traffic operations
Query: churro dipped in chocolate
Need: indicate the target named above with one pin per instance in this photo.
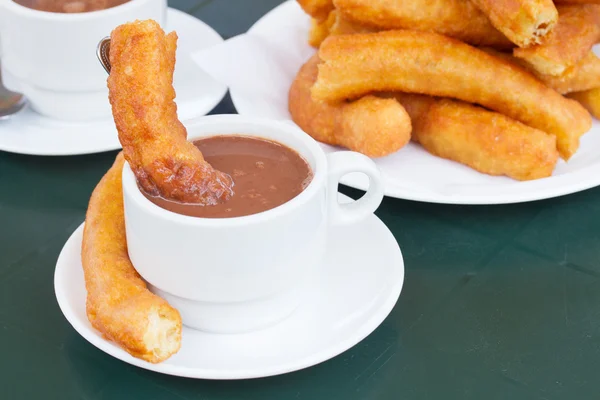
(154, 141)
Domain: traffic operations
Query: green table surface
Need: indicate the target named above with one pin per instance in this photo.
(499, 302)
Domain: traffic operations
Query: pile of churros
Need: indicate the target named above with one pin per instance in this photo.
(503, 87)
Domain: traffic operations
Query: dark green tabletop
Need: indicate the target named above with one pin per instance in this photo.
(499, 302)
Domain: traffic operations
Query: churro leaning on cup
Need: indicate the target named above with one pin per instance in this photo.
(371, 125)
(119, 304)
(427, 63)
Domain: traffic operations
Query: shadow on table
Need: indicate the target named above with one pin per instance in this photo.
(98, 375)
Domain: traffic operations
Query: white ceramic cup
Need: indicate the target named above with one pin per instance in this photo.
(51, 57)
(239, 274)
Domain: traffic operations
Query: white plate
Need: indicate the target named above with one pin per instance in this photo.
(197, 94)
(360, 284)
(412, 173)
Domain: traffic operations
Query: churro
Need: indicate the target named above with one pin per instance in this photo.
(584, 75)
(486, 141)
(154, 141)
(320, 29)
(459, 19)
(427, 63)
(119, 305)
(524, 22)
(577, 30)
(318, 9)
(590, 99)
(371, 125)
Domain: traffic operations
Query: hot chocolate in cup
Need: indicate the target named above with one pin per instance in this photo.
(51, 57)
(240, 274)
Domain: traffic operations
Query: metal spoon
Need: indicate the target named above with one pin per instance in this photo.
(10, 102)
(103, 51)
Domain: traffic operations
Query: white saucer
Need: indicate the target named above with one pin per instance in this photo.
(361, 281)
(197, 94)
(412, 173)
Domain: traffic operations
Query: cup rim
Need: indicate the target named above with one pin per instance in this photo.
(130, 186)
(54, 16)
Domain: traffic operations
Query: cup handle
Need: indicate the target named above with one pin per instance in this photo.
(345, 162)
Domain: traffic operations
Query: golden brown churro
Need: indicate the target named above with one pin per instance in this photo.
(118, 303)
(427, 63)
(319, 30)
(524, 22)
(371, 125)
(335, 24)
(483, 140)
(154, 141)
(318, 9)
(577, 30)
(459, 19)
(343, 26)
(590, 99)
(584, 75)
(577, 1)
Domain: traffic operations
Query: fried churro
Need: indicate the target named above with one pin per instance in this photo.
(119, 305)
(459, 19)
(371, 125)
(577, 1)
(427, 63)
(577, 30)
(486, 141)
(582, 76)
(319, 30)
(590, 99)
(344, 26)
(154, 141)
(318, 9)
(523, 22)
(335, 24)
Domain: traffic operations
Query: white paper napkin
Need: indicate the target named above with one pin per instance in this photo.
(260, 67)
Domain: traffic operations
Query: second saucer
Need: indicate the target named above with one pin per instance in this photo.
(197, 94)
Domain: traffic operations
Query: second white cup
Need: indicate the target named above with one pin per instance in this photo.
(51, 57)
